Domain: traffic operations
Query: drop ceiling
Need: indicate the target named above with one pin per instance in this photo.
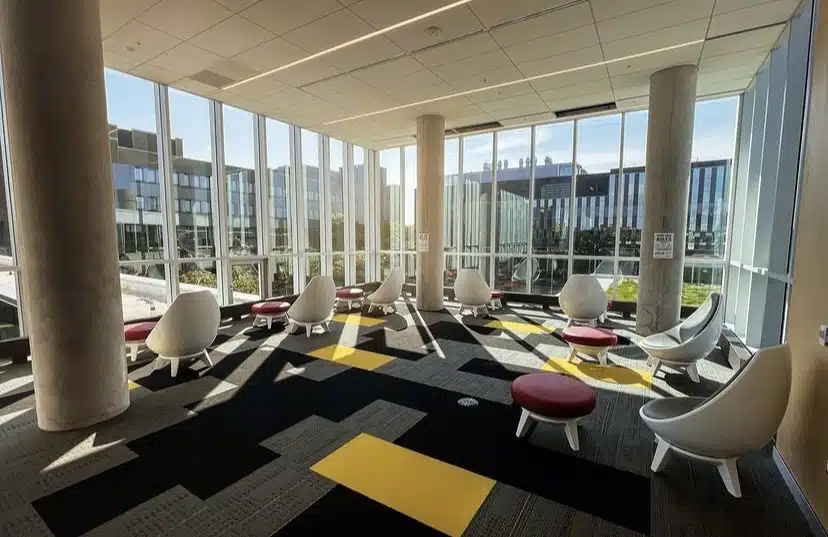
(201, 46)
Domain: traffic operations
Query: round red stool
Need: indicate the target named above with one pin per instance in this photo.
(351, 295)
(593, 342)
(135, 336)
(267, 312)
(495, 300)
(552, 398)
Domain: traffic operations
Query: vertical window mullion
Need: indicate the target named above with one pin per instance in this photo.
(219, 200)
(162, 125)
(572, 197)
(529, 246)
(493, 212)
(263, 220)
(619, 198)
(300, 221)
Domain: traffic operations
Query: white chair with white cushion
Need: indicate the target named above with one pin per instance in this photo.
(742, 416)
(386, 295)
(583, 300)
(472, 291)
(185, 330)
(687, 342)
(314, 306)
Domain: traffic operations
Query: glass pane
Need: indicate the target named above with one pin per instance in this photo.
(197, 276)
(359, 262)
(310, 164)
(240, 178)
(9, 321)
(699, 282)
(714, 140)
(360, 197)
(389, 181)
(410, 196)
(552, 276)
(480, 263)
(411, 268)
(513, 164)
(282, 267)
(387, 262)
(281, 198)
(133, 148)
(338, 266)
(337, 196)
(513, 273)
(599, 143)
(632, 187)
(477, 193)
(603, 269)
(451, 173)
(313, 267)
(626, 287)
(553, 188)
(451, 272)
(192, 166)
(246, 282)
(143, 290)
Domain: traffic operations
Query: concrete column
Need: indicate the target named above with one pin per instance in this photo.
(65, 202)
(669, 150)
(430, 154)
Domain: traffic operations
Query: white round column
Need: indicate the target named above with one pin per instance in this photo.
(430, 155)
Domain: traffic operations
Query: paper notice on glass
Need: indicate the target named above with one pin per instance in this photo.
(663, 246)
(422, 242)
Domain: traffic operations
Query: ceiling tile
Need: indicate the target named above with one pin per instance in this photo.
(365, 53)
(521, 110)
(419, 93)
(581, 76)
(383, 13)
(421, 78)
(185, 59)
(236, 5)
(119, 62)
(306, 73)
(233, 70)
(728, 86)
(528, 119)
(630, 80)
(138, 42)
(631, 92)
(596, 86)
(744, 58)
(331, 30)
(752, 17)
(549, 24)
(502, 93)
(581, 101)
(668, 37)
(528, 99)
(260, 88)
(334, 86)
(551, 45)
(270, 55)
(156, 74)
(493, 12)
(457, 50)
(116, 13)
(489, 78)
(454, 122)
(763, 37)
(193, 86)
(683, 56)
(723, 6)
(459, 106)
(231, 37)
(280, 16)
(388, 71)
(634, 103)
(185, 18)
(654, 18)
(453, 23)
(467, 67)
(570, 60)
(608, 9)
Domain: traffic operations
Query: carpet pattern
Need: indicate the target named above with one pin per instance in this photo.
(359, 428)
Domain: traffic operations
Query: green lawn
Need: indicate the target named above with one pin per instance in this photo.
(691, 294)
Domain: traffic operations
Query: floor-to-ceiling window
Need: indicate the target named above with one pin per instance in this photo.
(336, 197)
(281, 206)
(390, 205)
(514, 269)
(410, 210)
(360, 212)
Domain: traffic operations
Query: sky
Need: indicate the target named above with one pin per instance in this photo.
(130, 104)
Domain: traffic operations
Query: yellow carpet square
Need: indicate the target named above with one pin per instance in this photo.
(433, 492)
(132, 385)
(515, 326)
(350, 356)
(355, 318)
(611, 373)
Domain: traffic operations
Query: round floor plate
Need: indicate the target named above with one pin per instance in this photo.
(467, 401)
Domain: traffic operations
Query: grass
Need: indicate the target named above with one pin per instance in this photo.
(692, 294)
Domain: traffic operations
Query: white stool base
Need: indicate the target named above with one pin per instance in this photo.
(570, 426)
(599, 353)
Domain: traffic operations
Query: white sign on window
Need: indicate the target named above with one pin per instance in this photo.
(422, 242)
(663, 246)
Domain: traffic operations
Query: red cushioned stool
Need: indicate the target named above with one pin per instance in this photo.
(351, 295)
(267, 312)
(495, 300)
(552, 398)
(593, 342)
(135, 337)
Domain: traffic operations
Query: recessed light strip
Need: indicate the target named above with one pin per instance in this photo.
(365, 37)
(513, 82)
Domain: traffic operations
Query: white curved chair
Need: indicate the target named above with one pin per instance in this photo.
(185, 330)
(686, 343)
(742, 416)
(314, 306)
(472, 291)
(583, 300)
(388, 292)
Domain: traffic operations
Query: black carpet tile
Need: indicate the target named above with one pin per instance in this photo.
(492, 369)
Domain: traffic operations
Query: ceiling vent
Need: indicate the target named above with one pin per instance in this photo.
(469, 129)
(606, 107)
(211, 78)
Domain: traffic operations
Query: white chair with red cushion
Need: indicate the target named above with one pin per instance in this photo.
(185, 330)
(269, 311)
(135, 337)
(497, 297)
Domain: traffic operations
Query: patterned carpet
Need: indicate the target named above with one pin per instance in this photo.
(359, 429)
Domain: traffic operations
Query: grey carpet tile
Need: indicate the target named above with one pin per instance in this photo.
(383, 419)
(192, 391)
(499, 514)
(153, 518)
(22, 520)
(209, 402)
(318, 370)
(310, 440)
